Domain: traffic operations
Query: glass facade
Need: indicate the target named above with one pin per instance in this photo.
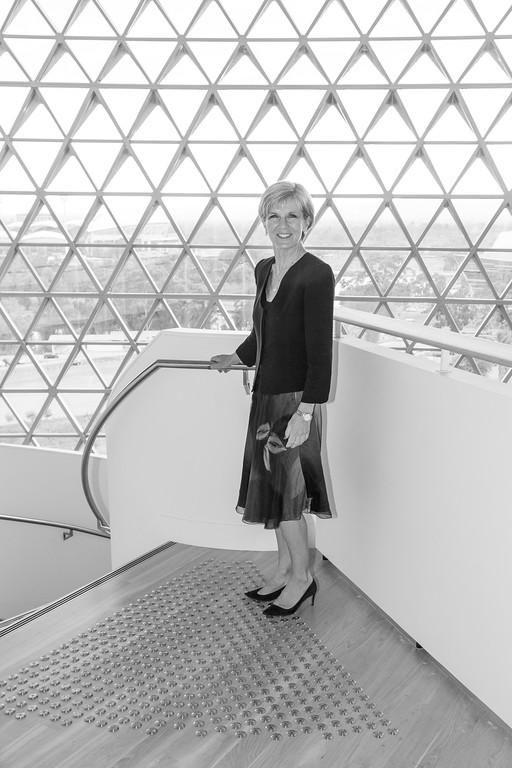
(137, 136)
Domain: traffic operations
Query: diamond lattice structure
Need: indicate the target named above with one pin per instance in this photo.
(136, 138)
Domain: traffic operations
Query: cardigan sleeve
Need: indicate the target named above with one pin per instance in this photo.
(248, 348)
(318, 327)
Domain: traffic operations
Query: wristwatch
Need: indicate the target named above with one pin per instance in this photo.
(305, 416)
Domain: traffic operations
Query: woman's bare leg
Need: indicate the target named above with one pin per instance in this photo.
(295, 534)
(282, 571)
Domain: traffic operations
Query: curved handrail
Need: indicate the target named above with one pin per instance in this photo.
(52, 524)
(144, 374)
(440, 338)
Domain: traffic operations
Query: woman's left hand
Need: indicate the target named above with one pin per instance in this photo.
(297, 431)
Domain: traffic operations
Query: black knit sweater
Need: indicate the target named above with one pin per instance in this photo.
(291, 340)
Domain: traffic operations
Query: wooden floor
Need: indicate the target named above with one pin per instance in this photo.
(440, 725)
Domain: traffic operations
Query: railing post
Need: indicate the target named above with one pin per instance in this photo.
(444, 364)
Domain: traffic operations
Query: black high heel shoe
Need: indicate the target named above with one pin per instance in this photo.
(254, 594)
(276, 610)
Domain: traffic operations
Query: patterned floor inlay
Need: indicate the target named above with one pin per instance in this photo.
(195, 653)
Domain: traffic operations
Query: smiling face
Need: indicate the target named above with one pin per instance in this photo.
(285, 224)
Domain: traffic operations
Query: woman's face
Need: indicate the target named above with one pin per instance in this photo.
(285, 223)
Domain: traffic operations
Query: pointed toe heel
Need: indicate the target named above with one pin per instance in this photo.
(255, 595)
(276, 610)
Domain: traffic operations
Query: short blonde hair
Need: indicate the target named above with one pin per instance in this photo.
(284, 190)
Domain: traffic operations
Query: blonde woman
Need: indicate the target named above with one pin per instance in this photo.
(290, 346)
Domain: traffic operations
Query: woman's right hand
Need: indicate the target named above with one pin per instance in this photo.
(223, 363)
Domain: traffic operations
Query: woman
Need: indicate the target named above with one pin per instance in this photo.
(290, 346)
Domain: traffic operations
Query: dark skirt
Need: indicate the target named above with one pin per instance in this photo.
(280, 483)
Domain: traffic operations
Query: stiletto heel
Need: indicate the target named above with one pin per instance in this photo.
(276, 610)
(254, 594)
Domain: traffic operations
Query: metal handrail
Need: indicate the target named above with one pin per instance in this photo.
(51, 524)
(111, 407)
(483, 349)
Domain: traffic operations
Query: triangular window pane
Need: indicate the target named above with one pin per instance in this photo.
(388, 160)
(46, 266)
(303, 72)
(476, 214)
(82, 408)
(485, 104)
(471, 283)
(241, 277)
(28, 21)
(151, 23)
(70, 210)
(384, 266)
(412, 280)
(48, 323)
(97, 158)
(272, 127)
(186, 178)
(498, 265)
(477, 180)
(394, 55)
(502, 131)
(70, 178)
(362, 71)
(154, 158)
(10, 70)
(273, 56)
(63, 69)
(244, 72)
(356, 213)
(421, 105)
(74, 278)
(37, 156)
(186, 279)
(98, 125)
(417, 180)
(442, 265)
(101, 229)
(358, 180)
(39, 125)
(127, 210)
(13, 177)
(272, 23)
(241, 14)
(42, 227)
(451, 126)
(21, 310)
(361, 105)
(124, 104)
(271, 158)
(157, 229)
(64, 104)
(424, 71)
(449, 160)
(241, 212)
(185, 211)
(18, 276)
(214, 264)
(31, 52)
(328, 231)
(158, 262)
(240, 313)
(242, 179)
(25, 375)
(125, 71)
(444, 233)
(242, 106)
(57, 13)
(355, 280)
(330, 160)
(152, 56)
(334, 22)
(214, 231)
(214, 127)
(467, 319)
(119, 13)
(216, 321)
(456, 54)
(11, 99)
(129, 176)
(303, 14)
(133, 310)
(333, 55)
(499, 235)
(6, 332)
(303, 173)
(183, 72)
(90, 23)
(160, 319)
(458, 17)
(395, 22)
(428, 13)
(182, 105)
(156, 127)
(212, 23)
(385, 230)
(502, 156)
(391, 126)
(486, 70)
(364, 14)
(331, 126)
(92, 54)
(212, 56)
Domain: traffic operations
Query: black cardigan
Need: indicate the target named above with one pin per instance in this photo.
(297, 353)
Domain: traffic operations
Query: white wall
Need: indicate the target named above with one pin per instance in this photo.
(36, 564)
(419, 470)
